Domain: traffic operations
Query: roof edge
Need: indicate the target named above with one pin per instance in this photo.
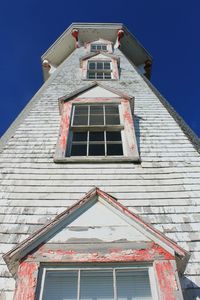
(190, 134)
(34, 240)
(22, 115)
(77, 25)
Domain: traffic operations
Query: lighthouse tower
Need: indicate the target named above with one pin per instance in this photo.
(100, 194)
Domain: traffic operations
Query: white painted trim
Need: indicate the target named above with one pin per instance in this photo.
(153, 283)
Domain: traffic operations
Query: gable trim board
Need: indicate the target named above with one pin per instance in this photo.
(87, 87)
(13, 257)
(91, 55)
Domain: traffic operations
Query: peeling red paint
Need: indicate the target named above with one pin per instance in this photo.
(26, 281)
(150, 253)
(120, 35)
(166, 280)
(115, 69)
(64, 126)
(75, 33)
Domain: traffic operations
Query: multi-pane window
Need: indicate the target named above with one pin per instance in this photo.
(98, 47)
(99, 70)
(96, 130)
(96, 284)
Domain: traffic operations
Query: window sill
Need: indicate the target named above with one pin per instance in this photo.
(99, 159)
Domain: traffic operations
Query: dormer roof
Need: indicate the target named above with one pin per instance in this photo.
(51, 229)
(92, 55)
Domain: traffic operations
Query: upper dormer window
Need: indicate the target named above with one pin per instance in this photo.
(99, 70)
(98, 47)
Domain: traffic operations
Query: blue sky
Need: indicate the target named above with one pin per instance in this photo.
(169, 30)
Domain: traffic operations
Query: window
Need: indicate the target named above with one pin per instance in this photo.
(96, 125)
(96, 130)
(98, 47)
(99, 70)
(96, 284)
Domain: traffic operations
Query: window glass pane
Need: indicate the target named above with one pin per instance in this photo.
(60, 286)
(96, 109)
(80, 120)
(112, 120)
(96, 120)
(104, 47)
(107, 75)
(96, 136)
(91, 65)
(81, 110)
(96, 285)
(111, 109)
(79, 136)
(114, 149)
(113, 136)
(99, 65)
(91, 75)
(132, 285)
(96, 149)
(106, 66)
(99, 75)
(79, 150)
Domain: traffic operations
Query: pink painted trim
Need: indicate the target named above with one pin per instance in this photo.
(167, 284)
(84, 65)
(151, 253)
(26, 281)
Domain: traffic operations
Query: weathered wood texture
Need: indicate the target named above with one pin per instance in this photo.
(164, 189)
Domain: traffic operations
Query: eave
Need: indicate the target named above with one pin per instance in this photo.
(65, 44)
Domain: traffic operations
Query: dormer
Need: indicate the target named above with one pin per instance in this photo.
(114, 35)
(100, 66)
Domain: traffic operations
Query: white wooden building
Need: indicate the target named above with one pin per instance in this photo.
(100, 193)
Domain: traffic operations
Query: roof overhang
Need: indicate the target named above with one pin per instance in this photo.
(65, 44)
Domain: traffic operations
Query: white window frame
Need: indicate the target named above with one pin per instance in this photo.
(96, 45)
(149, 269)
(97, 71)
(129, 142)
(100, 128)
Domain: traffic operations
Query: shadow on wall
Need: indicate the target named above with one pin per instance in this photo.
(191, 291)
(137, 120)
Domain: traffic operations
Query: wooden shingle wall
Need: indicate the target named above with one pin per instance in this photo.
(164, 189)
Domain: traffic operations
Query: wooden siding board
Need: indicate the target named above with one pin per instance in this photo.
(162, 189)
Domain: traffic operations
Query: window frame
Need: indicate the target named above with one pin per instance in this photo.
(98, 45)
(91, 267)
(129, 144)
(114, 69)
(108, 44)
(97, 71)
(96, 128)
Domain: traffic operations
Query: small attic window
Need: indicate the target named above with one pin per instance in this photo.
(98, 47)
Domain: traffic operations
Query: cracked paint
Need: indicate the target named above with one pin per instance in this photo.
(26, 281)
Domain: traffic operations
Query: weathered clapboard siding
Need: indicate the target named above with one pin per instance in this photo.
(164, 189)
